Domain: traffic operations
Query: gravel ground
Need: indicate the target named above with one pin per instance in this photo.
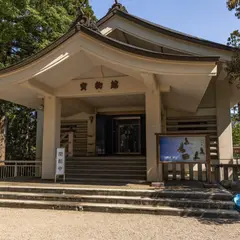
(48, 224)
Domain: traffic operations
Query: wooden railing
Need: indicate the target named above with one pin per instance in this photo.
(226, 170)
(66, 141)
(14, 169)
(185, 171)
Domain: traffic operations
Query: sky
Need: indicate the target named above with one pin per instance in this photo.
(208, 19)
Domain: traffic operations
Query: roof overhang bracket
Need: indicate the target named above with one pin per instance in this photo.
(222, 73)
(151, 82)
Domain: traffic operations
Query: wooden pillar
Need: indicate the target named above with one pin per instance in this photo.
(51, 135)
(39, 135)
(224, 126)
(153, 125)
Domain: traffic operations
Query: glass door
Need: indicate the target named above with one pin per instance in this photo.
(128, 137)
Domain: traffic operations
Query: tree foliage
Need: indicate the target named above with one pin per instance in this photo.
(27, 26)
(233, 67)
(235, 116)
(234, 5)
(21, 133)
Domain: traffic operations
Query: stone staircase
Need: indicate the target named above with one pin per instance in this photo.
(106, 169)
(208, 204)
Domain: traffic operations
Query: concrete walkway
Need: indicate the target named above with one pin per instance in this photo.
(29, 224)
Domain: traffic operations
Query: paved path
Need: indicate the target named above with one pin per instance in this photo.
(62, 225)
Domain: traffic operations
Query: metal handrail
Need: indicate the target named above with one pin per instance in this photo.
(19, 168)
(19, 161)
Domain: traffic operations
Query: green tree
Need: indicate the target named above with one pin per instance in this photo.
(26, 27)
(233, 69)
(234, 5)
(21, 133)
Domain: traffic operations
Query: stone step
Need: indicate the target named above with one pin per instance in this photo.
(104, 167)
(107, 159)
(106, 171)
(104, 162)
(105, 175)
(138, 200)
(113, 158)
(172, 194)
(103, 181)
(120, 208)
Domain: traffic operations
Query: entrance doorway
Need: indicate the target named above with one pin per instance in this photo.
(128, 135)
(121, 135)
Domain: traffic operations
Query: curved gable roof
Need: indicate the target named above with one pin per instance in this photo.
(162, 29)
(111, 42)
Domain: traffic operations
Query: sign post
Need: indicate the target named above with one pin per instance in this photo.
(60, 163)
(184, 149)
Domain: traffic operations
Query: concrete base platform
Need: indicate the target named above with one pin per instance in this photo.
(180, 199)
(170, 185)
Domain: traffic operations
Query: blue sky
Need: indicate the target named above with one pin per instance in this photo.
(209, 19)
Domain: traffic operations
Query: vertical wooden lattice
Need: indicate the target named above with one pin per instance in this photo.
(196, 125)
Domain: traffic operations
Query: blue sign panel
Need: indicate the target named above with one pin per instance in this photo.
(182, 149)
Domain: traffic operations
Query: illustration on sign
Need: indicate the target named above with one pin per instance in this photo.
(182, 149)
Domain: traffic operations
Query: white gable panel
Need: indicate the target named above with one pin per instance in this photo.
(157, 38)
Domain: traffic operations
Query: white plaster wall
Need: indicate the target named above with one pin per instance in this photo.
(209, 98)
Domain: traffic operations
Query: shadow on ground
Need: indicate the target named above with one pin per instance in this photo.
(218, 221)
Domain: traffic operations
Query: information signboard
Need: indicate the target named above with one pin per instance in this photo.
(184, 148)
(60, 163)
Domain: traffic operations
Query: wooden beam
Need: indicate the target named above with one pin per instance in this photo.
(39, 87)
(222, 74)
(164, 88)
(72, 107)
(101, 78)
(150, 81)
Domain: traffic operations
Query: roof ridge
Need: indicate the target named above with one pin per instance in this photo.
(84, 20)
(117, 6)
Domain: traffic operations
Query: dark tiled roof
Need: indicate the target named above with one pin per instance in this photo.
(163, 30)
